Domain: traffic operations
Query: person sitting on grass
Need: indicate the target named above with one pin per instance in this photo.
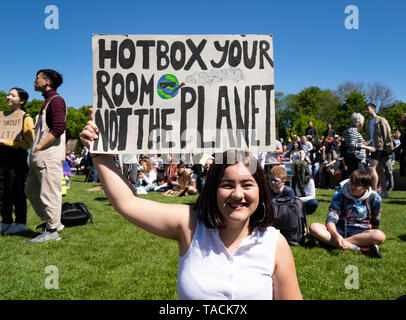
(277, 179)
(228, 248)
(354, 217)
(186, 187)
(304, 186)
(147, 179)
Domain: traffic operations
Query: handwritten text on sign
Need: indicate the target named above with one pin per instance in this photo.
(11, 124)
(183, 93)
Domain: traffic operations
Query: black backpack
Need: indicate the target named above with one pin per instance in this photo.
(75, 214)
(290, 219)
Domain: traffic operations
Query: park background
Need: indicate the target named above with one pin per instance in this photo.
(323, 72)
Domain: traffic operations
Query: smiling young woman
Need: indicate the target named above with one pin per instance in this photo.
(227, 246)
(13, 167)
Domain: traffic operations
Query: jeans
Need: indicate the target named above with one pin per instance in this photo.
(349, 231)
(311, 206)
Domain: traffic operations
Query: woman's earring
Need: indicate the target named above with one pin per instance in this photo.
(263, 212)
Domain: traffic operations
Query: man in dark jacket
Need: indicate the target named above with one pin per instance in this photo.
(311, 131)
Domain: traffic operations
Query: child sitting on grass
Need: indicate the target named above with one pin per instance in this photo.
(354, 217)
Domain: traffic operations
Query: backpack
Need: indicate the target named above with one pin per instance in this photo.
(75, 214)
(290, 219)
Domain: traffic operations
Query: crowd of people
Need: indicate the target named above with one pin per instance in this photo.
(332, 158)
(173, 175)
(228, 247)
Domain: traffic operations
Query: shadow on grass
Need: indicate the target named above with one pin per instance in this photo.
(402, 237)
(101, 199)
(393, 201)
(29, 234)
(324, 200)
(312, 243)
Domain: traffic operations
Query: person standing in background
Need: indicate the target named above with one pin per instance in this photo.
(355, 148)
(378, 131)
(13, 163)
(402, 153)
(43, 187)
(312, 131)
(329, 132)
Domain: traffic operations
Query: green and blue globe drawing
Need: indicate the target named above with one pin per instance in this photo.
(168, 86)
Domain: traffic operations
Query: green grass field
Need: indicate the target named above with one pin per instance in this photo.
(113, 259)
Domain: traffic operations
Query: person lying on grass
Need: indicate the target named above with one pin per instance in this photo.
(227, 246)
(354, 217)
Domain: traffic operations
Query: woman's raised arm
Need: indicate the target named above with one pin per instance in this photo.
(172, 221)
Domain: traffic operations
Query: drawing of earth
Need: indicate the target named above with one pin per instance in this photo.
(168, 86)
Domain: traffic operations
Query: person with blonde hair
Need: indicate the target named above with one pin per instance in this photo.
(186, 186)
(148, 177)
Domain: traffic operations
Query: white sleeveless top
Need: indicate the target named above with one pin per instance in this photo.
(208, 271)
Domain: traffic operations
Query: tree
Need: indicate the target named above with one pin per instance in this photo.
(75, 121)
(3, 101)
(284, 114)
(316, 105)
(380, 95)
(376, 92)
(348, 87)
(34, 107)
(354, 102)
(393, 113)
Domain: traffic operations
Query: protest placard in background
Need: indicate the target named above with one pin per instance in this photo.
(11, 124)
(183, 93)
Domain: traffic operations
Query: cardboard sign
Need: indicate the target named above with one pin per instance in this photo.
(183, 93)
(11, 124)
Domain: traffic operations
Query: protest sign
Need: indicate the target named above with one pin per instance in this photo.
(11, 124)
(183, 93)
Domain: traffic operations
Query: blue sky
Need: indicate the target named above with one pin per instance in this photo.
(311, 44)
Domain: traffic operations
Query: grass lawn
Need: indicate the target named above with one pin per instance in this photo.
(113, 259)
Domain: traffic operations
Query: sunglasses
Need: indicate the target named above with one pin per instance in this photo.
(164, 85)
(275, 180)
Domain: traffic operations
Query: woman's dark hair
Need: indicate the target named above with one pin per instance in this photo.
(206, 204)
(54, 77)
(23, 95)
(299, 145)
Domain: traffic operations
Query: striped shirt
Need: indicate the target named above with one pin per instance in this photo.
(353, 142)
